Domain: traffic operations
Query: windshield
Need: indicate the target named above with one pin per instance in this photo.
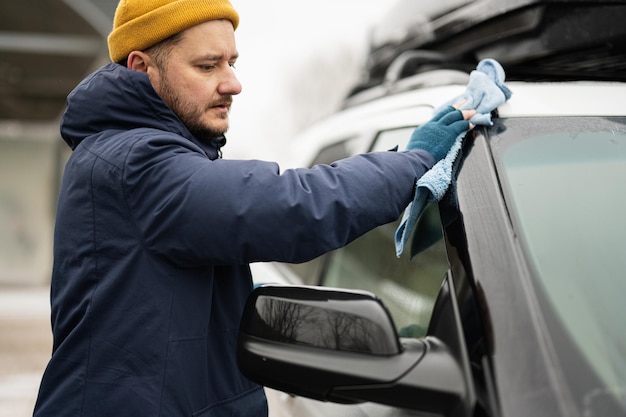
(565, 185)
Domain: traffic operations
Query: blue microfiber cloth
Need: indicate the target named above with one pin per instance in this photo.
(485, 92)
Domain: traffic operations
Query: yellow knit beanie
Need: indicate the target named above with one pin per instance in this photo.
(139, 24)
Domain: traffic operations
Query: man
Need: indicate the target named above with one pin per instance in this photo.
(155, 231)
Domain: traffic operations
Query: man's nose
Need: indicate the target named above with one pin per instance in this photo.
(229, 84)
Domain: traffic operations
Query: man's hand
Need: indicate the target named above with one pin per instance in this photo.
(438, 134)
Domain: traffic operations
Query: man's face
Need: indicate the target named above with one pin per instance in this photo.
(197, 80)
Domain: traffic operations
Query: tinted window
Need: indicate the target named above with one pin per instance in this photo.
(334, 152)
(566, 190)
(408, 286)
(394, 138)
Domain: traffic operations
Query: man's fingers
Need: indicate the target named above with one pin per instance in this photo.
(461, 126)
(456, 115)
(468, 114)
(453, 116)
(459, 104)
(442, 113)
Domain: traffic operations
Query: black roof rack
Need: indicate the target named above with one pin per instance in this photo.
(432, 78)
(532, 39)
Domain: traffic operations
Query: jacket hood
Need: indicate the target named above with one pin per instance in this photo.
(117, 98)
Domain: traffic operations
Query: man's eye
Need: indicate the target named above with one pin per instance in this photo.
(232, 65)
(206, 67)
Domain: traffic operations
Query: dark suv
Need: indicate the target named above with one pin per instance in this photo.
(508, 300)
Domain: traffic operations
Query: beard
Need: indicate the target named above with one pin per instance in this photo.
(190, 114)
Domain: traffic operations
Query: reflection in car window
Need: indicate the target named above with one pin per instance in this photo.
(334, 152)
(408, 287)
(566, 189)
(393, 138)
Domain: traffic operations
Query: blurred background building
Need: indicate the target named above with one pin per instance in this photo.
(46, 48)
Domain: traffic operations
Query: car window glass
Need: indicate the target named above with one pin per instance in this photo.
(389, 139)
(334, 152)
(565, 188)
(408, 286)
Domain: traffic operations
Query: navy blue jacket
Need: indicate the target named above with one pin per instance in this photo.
(154, 234)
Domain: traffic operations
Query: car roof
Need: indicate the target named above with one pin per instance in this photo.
(576, 98)
(410, 108)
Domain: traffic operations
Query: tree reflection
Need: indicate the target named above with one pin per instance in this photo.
(345, 331)
(284, 318)
(301, 323)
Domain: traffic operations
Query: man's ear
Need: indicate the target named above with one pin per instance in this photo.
(139, 61)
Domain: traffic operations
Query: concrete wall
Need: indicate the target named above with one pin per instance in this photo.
(30, 167)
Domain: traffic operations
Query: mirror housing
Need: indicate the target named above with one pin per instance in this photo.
(341, 345)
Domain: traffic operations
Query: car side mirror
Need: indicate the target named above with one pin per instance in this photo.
(341, 345)
(322, 318)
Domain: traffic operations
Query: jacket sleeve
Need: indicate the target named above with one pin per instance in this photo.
(197, 211)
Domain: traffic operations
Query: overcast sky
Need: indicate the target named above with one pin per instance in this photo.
(297, 59)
